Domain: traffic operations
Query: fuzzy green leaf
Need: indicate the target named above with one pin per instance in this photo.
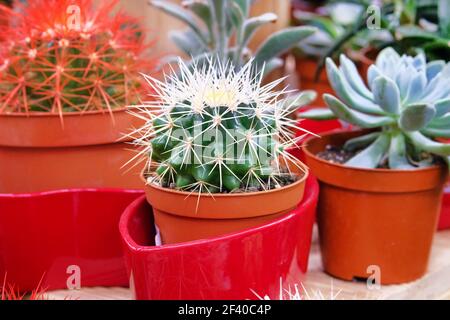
(347, 94)
(398, 153)
(372, 155)
(244, 5)
(188, 42)
(433, 68)
(351, 74)
(236, 15)
(359, 119)
(361, 142)
(203, 12)
(386, 94)
(317, 114)
(252, 24)
(299, 100)
(428, 145)
(280, 42)
(417, 116)
(437, 132)
(181, 14)
(441, 122)
(442, 107)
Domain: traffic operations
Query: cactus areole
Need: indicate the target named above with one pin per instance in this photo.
(215, 139)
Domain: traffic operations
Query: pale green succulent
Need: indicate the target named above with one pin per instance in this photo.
(407, 99)
(223, 28)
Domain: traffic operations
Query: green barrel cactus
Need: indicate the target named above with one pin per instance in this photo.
(224, 28)
(214, 129)
(407, 100)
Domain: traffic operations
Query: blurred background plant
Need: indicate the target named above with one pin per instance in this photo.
(225, 28)
(361, 28)
(409, 26)
(48, 64)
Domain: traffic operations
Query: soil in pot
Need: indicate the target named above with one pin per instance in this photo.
(374, 223)
(183, 216)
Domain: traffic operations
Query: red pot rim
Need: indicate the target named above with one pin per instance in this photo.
(311, 193)
(388, 180)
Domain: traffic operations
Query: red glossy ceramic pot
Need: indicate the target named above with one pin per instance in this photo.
(444, 220)
(234, 266)
(43, 234)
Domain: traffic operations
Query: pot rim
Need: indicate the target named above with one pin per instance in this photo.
(186, 194)
(334, 132)
(42, 114)
(51, 130)
(310, 196)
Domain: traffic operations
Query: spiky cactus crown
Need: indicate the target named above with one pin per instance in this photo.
(214, 129)
(68, 56)
(224, 28)
(407, 99)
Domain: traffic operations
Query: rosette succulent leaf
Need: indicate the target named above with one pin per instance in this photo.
(406, 99)
(223, 29)
(214, 129)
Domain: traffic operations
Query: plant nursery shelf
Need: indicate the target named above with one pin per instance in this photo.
(318, 285)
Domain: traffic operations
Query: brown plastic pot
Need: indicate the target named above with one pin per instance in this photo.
(181, 216)
(370, 219)
(41, 151)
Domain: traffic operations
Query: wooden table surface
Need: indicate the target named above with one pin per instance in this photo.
(318, 285)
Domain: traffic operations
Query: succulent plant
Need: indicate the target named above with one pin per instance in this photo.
(431, 35)
(50, 61)
(214, 129)
(407, 100)
(223, 28)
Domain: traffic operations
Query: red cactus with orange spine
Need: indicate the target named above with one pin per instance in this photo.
(70, 56)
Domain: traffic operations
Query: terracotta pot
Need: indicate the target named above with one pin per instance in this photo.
(43, 234)
(265, 259)
(383, 218)
(41, 151)
(181, 216)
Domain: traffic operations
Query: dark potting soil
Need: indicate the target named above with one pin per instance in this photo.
(337, 154)
(282, 182)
